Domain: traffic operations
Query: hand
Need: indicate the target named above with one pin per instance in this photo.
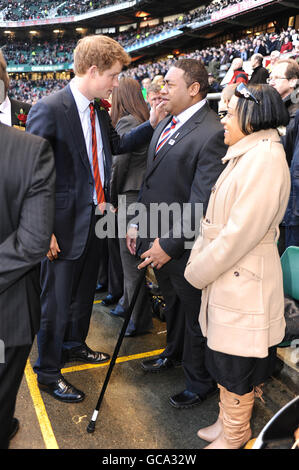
(155, 256)
(131, 238)
(157, 113)
(54, 249)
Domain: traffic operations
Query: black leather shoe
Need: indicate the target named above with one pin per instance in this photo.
(101, 288)
(62, 390)
(110, 300)
(188, 399)
(157, 365)
(85, 354)
(14, 428)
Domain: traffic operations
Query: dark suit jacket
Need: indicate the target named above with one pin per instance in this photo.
(16, 107)
(26, 216)
(56, 118)
(184, 170)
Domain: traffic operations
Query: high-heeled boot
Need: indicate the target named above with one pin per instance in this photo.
(210, 433)
(236, 414)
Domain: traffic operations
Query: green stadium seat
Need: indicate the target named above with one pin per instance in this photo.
(290, 270)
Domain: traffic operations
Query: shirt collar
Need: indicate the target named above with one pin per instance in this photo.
(81, 101)
(187, 113)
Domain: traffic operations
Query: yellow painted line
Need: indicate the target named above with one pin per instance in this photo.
(97, 301)
(40, 409)
(118, 360)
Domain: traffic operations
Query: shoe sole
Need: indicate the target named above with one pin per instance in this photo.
(60, 399)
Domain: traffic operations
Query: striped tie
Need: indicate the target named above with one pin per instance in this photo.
(166, 132)
(95, 163)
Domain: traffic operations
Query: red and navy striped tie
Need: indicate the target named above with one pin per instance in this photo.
(166, 132)
(95, 163)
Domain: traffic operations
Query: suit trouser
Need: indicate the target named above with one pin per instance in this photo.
(11, 373)
(68, 288)
(141, 318)
(184, 337)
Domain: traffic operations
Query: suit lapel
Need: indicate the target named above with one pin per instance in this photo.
(177, 136)
(73, 117)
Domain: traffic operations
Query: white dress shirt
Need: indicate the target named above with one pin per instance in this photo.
(183, 117)
(5, 112)
(82, 104)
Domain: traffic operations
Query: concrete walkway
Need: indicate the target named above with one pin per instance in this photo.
(135, 413)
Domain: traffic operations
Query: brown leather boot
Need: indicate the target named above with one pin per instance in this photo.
(236, 414)
(210, 433)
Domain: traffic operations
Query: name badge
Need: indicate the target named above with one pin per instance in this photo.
(171, 142)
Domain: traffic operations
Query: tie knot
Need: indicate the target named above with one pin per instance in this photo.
(174, 121)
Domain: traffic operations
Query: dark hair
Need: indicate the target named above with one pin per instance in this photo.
(127, 98)
(195, 71)
(270, 113)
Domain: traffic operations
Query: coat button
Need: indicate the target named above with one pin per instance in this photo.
(213, 189)
(236, 273)
(207, 221)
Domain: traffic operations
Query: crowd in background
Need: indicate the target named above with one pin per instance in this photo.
(38, 9)
(216, 59)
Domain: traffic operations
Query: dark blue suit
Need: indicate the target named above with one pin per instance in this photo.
(68, 284)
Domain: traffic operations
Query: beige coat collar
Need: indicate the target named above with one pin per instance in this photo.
(250, 141)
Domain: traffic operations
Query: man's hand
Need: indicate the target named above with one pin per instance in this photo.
(155, 256)
(157, 113)
(54, 249)
(131, 238)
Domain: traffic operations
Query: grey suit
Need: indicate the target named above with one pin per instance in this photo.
(27, 216)
(126, 179)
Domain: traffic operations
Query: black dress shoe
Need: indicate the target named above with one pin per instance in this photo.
(110, 300)
(14, 428)
(188, 399)
(62, 390)
(101, 288)
(158, 364)
(85, 354)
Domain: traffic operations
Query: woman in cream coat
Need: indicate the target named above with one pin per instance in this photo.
(235, 260)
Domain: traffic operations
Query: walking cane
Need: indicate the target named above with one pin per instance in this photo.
(92, 423)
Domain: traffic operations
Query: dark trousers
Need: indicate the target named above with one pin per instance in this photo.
(184, 337)
(11, 373)
(68, 288)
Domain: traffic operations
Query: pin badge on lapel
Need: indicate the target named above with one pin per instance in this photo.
(171, 142)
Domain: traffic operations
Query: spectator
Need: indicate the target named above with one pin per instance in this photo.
(260, 74)
(287, 45)
(260, 48)
(242, 312)
(128, 111)
(274, 57)
(154, 95)
(27, 216)
(239, 75)
(284, 78)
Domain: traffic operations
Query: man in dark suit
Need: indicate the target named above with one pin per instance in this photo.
(12, 112)
(83, 138)
(184, 161)
(27, 216)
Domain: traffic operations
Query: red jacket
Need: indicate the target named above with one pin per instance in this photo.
(286, 47)
(239, 77)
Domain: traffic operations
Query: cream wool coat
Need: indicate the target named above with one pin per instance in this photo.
(235, 260)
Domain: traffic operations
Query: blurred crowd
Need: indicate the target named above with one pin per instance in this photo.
(38, 9)
(217, 60)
